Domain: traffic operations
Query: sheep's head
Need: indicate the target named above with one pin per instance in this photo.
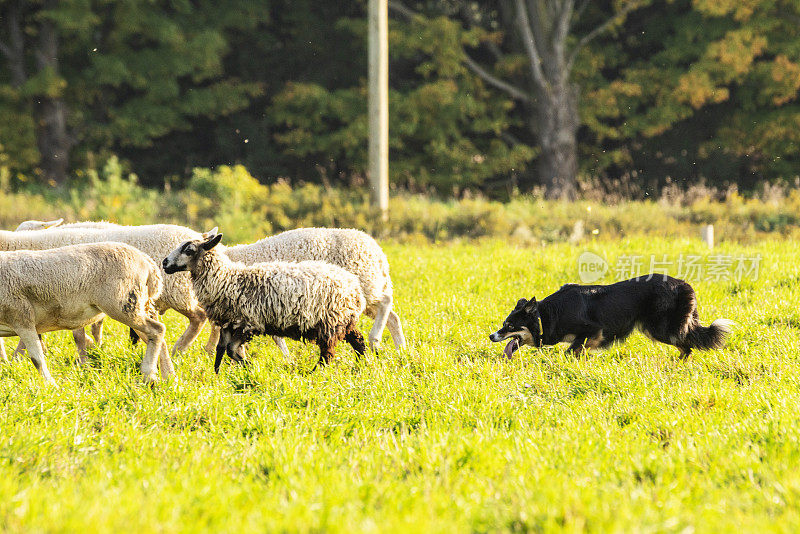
(185, 257)
(37, 225)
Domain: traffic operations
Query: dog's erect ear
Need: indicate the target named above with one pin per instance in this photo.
(211, 242)
(531, 305)
(520, 304)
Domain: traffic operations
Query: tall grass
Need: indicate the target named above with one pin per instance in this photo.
(446, 436)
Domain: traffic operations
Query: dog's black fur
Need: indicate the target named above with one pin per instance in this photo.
(594, 316)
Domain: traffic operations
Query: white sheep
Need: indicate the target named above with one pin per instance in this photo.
(154, 240)
(44, 225)
(308, 300)
(97, 327)
(352, 250)
(72, 286)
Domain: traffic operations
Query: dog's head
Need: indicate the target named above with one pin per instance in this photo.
(185, 257)
(523, 326)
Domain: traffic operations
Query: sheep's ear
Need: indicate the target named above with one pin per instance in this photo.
(51, 224)
(211, 242)
(211, 233)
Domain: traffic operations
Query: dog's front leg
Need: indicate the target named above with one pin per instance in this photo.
(586, 341)
(577, 346)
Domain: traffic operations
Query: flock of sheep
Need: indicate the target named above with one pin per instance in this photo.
(307, 284)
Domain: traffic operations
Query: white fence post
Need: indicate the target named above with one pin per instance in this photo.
(708, 235)
(379, 104)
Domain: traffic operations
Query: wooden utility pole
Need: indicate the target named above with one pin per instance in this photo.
(379, 104)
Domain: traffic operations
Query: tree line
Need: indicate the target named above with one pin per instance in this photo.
(497, 95)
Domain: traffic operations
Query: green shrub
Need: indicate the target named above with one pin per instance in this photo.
(227, 197)
(111, 196)
(246, 210)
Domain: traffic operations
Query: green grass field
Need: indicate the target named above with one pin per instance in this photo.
(445, 436)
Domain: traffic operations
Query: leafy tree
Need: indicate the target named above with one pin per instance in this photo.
(752, 71)
(33, 87)
(519, 91)
(109, 74)
(533, 58)
(446, 128)
(299, 43)
(699, 89)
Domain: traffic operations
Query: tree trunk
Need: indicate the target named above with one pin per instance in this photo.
(53, 140)
(555, 124)
(15, 53)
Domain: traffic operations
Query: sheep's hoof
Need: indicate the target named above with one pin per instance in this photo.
(151, 378)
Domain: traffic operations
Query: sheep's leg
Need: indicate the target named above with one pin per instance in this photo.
(356, 340)
(381, 316)
(3, 350)
(17, 354)
(231, 349)
(213, 338)
(236, 352)
(164, 360)
(97, 331)
(327, 350)
(152, 332)
(196, 319)
(82, 342)
(396, 330)
(220, 353)
(138, 335)
(222, 345)
(284, 349)
(30, 338)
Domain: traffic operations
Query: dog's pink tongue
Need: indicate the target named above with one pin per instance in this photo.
(511, 347)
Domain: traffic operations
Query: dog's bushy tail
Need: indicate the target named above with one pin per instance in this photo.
(708, 337)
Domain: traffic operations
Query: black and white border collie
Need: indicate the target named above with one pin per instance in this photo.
(595, 316)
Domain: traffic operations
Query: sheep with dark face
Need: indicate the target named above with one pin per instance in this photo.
(309, 300)
(352, 250)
